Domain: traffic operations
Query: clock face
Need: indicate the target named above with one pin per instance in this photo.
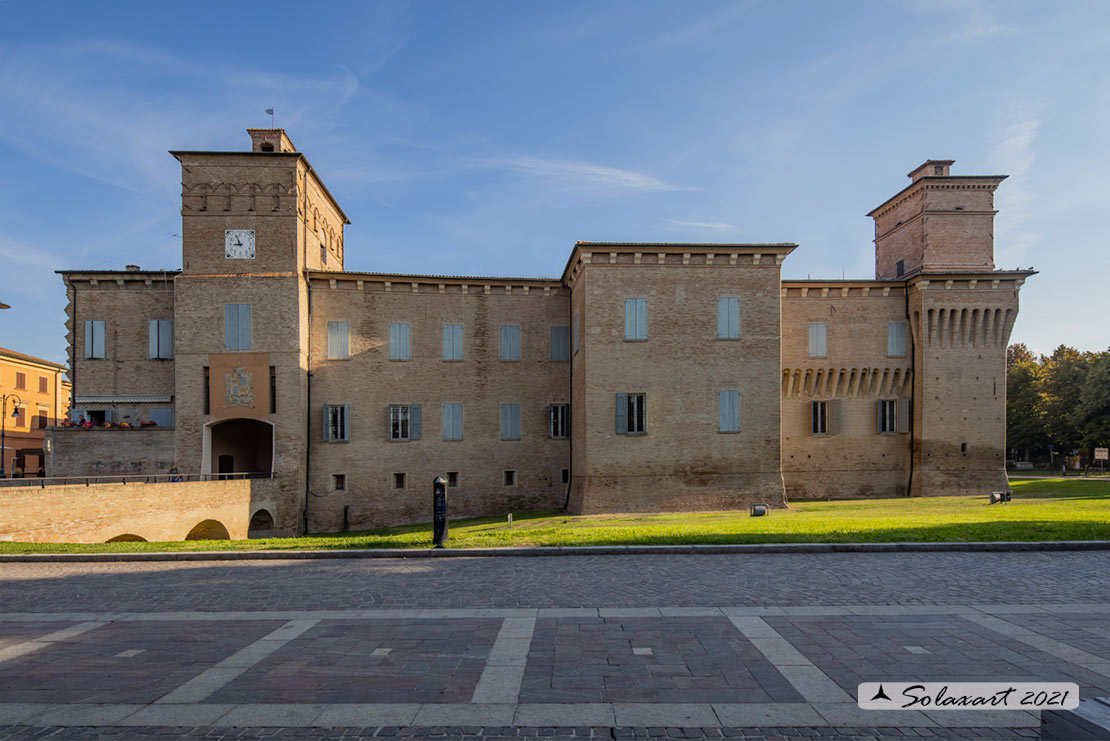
(239, 244)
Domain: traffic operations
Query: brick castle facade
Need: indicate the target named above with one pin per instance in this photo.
(647, 377)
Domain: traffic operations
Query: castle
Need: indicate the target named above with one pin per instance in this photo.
(647, 377)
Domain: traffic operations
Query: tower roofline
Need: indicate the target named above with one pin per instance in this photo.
(927, 180)
(178, 153)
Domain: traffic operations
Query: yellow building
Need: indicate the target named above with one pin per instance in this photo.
(35, 395)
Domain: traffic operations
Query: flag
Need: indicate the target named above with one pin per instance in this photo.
(270, 111)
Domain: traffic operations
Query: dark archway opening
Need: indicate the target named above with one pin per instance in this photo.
(261, 525)
(242, 446)
(208, 530)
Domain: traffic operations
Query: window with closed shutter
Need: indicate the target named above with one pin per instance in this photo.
(728, 411)
(237, 326)
(817, 341)
(728, 318)
(560, 343)
(339, 340)
(896, 339)
(510, 421)
(399, 338)
(452, 342)
(452, 421)
(510, 342)
(635, 318)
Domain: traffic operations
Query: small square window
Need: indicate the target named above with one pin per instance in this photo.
(44, 385)
(900, 268)
(510, 478)
(453, 479)
(566, 475)
(21, 380)
(398, 481)
(339, 482)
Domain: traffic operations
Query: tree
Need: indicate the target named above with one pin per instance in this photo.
(1024, 420)
(1063, 374)
(1092, 414)
(1018, 353)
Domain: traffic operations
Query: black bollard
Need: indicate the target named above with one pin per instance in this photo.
(439, 511)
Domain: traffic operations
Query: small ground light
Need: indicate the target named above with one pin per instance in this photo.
(758, 510)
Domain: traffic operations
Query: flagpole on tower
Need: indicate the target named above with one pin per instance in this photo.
(271, 112)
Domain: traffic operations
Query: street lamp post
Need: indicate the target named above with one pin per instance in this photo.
(16, 401)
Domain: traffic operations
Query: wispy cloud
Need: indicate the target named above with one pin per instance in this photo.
(701, 27)
(575, 175)
(976, 19)
(717, 226)
(61, 107)
(1014, 153)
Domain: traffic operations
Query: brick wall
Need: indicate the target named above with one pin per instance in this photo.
(125, 302)
(155, 512)
(368, 381)
(683, 461)
(71, 451)
(855, 460)
(962, 328)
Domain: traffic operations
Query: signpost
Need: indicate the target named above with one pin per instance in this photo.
(1102, 454)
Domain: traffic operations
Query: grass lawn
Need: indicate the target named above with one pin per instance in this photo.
(1042, 509)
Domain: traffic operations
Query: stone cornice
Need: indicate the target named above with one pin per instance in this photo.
(947, 182)
(673, 254)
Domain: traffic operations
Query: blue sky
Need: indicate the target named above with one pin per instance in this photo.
(487, 137)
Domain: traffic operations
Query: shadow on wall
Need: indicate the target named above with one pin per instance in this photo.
(208, 530)
(127, 538)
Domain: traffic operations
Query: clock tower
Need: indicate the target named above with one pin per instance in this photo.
(252, 223)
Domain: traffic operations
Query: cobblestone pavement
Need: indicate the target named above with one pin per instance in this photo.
(769, 646)
(496, 733)
(578, 581)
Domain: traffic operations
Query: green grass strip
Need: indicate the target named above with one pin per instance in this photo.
(1044, 509)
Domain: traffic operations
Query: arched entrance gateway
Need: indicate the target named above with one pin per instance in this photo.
(239, 446)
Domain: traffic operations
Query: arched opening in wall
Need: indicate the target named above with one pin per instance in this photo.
(127, 538)
(208, 530)
(239, 446)
(261, 525)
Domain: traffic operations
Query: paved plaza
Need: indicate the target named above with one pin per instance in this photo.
(746, 646)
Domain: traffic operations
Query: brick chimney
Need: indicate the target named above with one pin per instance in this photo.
(931, 168)
(270, 140)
